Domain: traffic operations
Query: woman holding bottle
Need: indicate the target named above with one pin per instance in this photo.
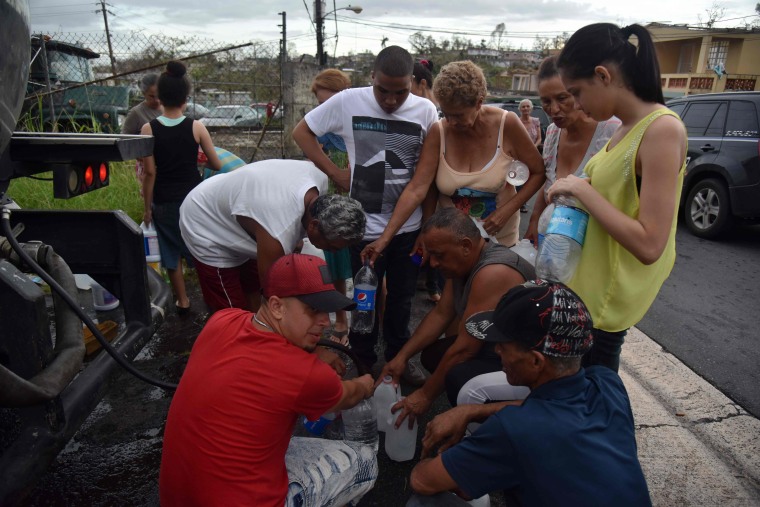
(571, 140)
(634, 183)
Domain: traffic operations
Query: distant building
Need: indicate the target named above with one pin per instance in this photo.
(704, 60)
(525, 83)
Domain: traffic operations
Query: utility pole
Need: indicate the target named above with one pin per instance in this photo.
(108, 36)
(284, 41)
(320, 32)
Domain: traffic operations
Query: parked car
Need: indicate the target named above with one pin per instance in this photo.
(263, 107)
(722, 180)
(233, 116)
(195, 111)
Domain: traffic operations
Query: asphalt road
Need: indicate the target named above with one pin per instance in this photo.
(707, 311)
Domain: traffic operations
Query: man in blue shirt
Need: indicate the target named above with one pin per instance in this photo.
(570, 442)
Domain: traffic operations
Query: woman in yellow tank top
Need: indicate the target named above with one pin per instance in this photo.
(634, 184)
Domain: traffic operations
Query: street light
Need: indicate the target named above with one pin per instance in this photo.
(321, 56)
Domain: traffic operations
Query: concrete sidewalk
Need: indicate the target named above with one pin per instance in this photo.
(696, 446)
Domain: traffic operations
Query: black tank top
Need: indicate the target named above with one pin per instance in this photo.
(176, 154)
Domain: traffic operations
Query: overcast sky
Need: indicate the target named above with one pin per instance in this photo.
(235, 21)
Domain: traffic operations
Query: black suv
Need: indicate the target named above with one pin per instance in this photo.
(722, 180)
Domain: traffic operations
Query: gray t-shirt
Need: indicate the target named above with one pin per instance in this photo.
(137, 117)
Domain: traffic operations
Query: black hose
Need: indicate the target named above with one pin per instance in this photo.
(361, 368)
(120, 360)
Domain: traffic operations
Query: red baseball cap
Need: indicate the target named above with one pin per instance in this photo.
(307, 278)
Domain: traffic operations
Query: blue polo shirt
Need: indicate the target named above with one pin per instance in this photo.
(571, 442)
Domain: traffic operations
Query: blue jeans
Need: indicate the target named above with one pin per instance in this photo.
(606, 349)
(328, 472)
(401, 273)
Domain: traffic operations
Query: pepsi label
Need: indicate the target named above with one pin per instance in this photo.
(365, 299)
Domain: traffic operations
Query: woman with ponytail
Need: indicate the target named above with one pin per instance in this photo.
(172, 171)
(634, 183)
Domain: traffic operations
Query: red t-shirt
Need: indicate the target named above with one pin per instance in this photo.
(232, 417)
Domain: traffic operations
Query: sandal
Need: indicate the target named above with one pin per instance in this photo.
(339, 336)
(181, 310)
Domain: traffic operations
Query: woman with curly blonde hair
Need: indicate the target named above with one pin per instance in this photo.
(467, 154)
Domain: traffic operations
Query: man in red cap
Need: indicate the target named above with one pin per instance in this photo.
(228, 433)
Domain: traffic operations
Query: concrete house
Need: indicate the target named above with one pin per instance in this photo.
(704, 60)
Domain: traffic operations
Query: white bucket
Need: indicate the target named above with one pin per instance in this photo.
(102, 300)
(150, 240)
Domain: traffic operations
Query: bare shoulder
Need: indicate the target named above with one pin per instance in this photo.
(665, 129)
(498, 276)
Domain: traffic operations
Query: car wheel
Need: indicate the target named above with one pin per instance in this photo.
(707, 210)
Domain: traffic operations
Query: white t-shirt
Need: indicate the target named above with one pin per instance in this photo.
(270, 192)
(383, 149)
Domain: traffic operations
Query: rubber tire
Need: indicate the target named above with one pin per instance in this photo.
(710, 193)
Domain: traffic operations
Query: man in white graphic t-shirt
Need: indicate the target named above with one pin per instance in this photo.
(383, 126)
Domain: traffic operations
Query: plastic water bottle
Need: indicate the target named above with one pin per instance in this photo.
(365, 289)
(524, 248)
(517, 173)
(385, 395)
(479, 224)
(401, 442)
(543, 223)
(360, 423)
(561, 248)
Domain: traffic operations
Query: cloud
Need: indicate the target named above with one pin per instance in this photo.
(234, 21)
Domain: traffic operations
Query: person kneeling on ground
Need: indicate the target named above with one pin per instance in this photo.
(228, 433)
(570, 442)
(478, 273)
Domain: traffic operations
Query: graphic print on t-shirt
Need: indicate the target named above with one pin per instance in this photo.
(386, 154)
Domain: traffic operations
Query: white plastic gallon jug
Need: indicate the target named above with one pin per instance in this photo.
(150, 239)
(401, 442)
(310, 249)
(524, 248)
(102, 300)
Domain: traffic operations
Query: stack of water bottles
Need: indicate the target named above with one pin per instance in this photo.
(561, 233)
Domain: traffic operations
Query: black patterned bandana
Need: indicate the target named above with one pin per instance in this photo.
(543, 316)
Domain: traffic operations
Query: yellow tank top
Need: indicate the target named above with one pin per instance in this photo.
(616, 287)
(480, 193)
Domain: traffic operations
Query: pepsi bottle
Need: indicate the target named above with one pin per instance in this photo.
(365, 289)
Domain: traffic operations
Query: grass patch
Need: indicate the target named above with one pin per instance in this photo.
(122, 193)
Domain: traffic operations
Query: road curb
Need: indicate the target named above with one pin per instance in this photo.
(697, 447)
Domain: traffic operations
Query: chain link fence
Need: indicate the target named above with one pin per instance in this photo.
(85, 82)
